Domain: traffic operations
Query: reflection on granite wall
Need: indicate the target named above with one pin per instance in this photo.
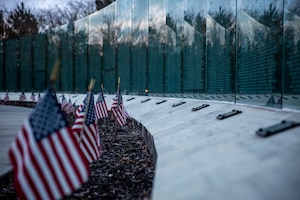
(240, 51)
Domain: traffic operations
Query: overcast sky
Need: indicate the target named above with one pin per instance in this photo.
(10, 4)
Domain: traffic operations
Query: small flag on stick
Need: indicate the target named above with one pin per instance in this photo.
(118, 108)
(32, 97)
(100, 107)
(39, 98)
(86, 129)
(46, 158)
(6, 98)
(64, 103)
(22, 97)
(69, 107)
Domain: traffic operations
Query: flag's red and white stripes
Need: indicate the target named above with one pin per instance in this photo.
(39, 98)
(64, 103)
(101, 107)
(87, 133)
(119, 110)
(69, 108)
(46, 158)
(49, 169)
(22, 97)
(32, 97)
(101, 110)
(6, 98)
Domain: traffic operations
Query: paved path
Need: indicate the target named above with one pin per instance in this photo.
(11, 120)
(201, 157)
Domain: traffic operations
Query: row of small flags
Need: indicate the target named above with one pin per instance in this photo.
(23, 97)
(66, 106)
(50, 159)
(101, 111)
(6, 97)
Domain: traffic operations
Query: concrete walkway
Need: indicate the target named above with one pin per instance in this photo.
(200, 156)
(11, 120)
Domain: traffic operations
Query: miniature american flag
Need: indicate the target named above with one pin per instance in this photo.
(6, 98)
(100, 107)
(119, 110)
(32, 97)
(69, 108)
(64, 103)
(39, 98)
(86, 130)
(22, 97)
(46, 157)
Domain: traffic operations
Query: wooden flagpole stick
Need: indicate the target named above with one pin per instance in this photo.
(55, 72)
(102, 89)
(118, 94)
(54, 76)
(91, 86)
(119, 81)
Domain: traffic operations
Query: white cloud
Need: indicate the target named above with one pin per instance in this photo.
(39, 4)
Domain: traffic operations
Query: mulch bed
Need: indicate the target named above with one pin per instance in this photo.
(124, 171)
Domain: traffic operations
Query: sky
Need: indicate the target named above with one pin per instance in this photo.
(10, 4)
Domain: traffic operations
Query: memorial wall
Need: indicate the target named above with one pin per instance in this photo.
(238, 51)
